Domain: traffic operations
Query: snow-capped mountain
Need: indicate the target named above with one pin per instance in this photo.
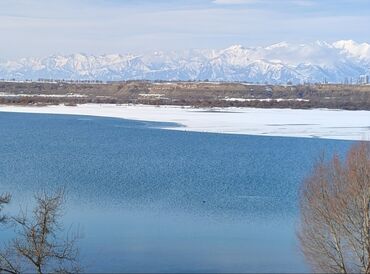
(278, 63)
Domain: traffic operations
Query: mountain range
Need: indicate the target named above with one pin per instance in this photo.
(283, 62)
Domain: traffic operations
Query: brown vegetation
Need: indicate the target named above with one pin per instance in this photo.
(334, 232)
(198, 94)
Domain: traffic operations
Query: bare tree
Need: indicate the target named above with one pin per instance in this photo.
(37, 246)
(334, 231)
(4, 199)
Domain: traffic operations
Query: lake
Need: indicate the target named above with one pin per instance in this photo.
(153, 200)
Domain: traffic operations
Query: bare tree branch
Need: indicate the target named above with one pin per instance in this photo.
(37, 247)
(334, 230)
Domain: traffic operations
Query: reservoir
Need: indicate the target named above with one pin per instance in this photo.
(146, 199)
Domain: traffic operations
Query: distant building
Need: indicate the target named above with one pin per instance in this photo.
(364, 79)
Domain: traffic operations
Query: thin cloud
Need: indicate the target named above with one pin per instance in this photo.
(305, 3)
(41, 27)
(233, 2)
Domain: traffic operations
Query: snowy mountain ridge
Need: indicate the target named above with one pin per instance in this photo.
(279, 63)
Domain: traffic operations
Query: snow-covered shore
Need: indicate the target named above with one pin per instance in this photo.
(320, 123)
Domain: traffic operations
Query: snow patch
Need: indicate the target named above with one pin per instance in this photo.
(313, 123)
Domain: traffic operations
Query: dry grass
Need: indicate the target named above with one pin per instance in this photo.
(192, 93)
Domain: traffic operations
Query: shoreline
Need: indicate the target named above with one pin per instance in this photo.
(311, 123)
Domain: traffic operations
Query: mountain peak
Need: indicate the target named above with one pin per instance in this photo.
(283, 44)
(345, 43)
(279, 63)
(321, 43)
(352, 48)
(234, 48)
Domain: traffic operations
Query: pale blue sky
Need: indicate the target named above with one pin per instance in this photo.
(44, 27)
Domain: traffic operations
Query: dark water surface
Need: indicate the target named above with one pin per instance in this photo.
(153, 200)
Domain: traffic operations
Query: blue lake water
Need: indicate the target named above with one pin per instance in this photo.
(153, 200)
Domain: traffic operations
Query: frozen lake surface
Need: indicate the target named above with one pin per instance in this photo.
(316, 123)
(153, 200)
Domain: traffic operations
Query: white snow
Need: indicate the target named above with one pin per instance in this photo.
(280, 63)
(354, 49)
(265, 99)
(3, 94)
(319, 123)
(151, 95)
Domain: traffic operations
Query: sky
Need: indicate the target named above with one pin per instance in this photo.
(44, 27)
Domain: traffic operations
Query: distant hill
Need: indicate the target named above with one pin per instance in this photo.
(342, 61)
